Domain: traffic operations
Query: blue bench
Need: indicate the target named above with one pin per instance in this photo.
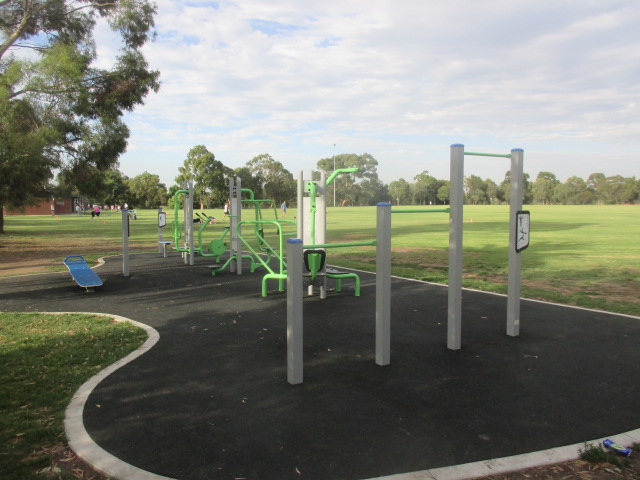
(81, 272)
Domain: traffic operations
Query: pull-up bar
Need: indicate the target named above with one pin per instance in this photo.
(454, 312)
(503, 155)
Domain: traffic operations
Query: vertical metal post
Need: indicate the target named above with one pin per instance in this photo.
(383, 284)
(235, 211)
(190, 216)
(454, 312)
(300, 205)
(161, 248)
(294, 312)
(125, 243)
(515, 259)
(321, 225)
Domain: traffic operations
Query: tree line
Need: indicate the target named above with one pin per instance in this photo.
(269, 179)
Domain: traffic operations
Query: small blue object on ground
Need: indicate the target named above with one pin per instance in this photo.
(617, 447)
(81, 272)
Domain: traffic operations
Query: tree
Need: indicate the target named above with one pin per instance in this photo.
(568, 193)
(276, 182)
(494, 194)
(70, 111)
(400, 191)
(248, 180)
(621, 189)
(115, 188)
(475, 190)
(597, 183)
(25, 168)
(425, 190)
(444, 192)
(544, 187)
(146, 191)
(209, 175)
(505, 187)
(359, 188)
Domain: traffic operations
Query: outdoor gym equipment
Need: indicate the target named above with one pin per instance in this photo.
(296, 258)
(184, 229)
(81, 272)
(454, 315)
(237, 240)
(312, 227)
(518, 240)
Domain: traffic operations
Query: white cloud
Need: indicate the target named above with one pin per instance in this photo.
(400, 79)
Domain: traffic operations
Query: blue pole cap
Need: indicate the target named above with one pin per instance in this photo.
(517, 150)
(457, 145)
(294, 240)
(383, 204)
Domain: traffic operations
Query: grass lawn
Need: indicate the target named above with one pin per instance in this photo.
(45, 359)
(579, 255)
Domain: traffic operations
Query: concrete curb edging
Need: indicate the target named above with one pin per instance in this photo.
(79, 440)
(498, 466)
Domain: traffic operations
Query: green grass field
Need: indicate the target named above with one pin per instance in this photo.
(581, 255)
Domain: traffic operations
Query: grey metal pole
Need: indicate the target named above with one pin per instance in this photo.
(190, 216)
(294, 312)
(383, 284)
(321, 225)
(125, 243)
(235, 210)
(456, 200)
(300, 218)
(515, 259)
(335, 181)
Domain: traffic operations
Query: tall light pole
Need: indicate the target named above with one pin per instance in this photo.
(334, 169)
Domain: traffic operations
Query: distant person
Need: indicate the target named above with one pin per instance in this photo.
(226, 210)
(283, 207)
(95, 212)
(53, 209)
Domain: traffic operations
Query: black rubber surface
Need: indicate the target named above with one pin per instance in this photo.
(211, 400)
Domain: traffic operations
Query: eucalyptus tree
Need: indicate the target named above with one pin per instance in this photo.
(59, 111)
(209, 176)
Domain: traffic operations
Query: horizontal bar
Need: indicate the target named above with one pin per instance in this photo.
(420, 210)
(371, 243)
(504, 155)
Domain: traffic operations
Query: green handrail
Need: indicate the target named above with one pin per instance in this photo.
(420, 210)
(281, 263)
(371, 243)
(337, 172)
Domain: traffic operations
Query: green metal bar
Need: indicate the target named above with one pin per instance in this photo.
(249, 191)
(503, 155)
(420, 210)
(371, 243)
(333, 176)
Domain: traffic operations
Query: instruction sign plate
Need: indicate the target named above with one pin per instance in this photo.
(522, 229)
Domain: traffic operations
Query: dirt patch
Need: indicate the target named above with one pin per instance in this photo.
(46, 260)
(576, 470)
(65, 462)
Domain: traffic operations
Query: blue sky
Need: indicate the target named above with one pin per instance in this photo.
(399, 79)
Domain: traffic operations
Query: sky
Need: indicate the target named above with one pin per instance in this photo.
(401, 80)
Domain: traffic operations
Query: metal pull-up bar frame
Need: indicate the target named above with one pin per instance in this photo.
(454, 315)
